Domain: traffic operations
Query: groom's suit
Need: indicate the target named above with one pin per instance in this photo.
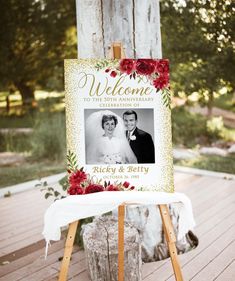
(142, 145)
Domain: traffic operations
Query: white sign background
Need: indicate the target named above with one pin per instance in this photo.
(80, 75)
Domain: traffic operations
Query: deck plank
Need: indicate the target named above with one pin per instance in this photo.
(27, 259)
(205, 257)
(213, 269)
(228, 273)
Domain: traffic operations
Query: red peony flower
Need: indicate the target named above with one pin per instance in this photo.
(113, 74)
(75, 190)
(126, 184)
(145, 66)
(127, 65)
(92, 188)
(112, 187)
(161, 82)
(162, 66)
(132, 187)
(77, 177)
(107, 70)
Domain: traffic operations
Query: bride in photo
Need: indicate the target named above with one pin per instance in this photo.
(106, 141)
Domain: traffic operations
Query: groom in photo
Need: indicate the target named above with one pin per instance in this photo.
(140, 141)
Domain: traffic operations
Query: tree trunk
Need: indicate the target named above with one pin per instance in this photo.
(210, 104)
(100, 243)
(27, 94)
(135, 23)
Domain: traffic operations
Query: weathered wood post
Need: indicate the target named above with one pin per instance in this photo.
(135, 23)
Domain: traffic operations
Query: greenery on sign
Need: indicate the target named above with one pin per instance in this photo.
(104, 63)
(72, 162)
(166, 96)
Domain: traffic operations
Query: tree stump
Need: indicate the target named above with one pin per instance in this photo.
(101, 249)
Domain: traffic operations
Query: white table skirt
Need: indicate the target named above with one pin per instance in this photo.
(76, 207)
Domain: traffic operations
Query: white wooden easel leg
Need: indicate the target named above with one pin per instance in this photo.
(121, 216)
(68, 251)
(171, 239)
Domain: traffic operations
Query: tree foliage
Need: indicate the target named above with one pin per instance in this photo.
(33, 39)
(197, 37)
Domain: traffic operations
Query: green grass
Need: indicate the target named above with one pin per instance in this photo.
(19, 118)
(229, 134)
(225, 102)
(210, 162)
(15, 121)
(190, 129)
(13, 142)
(29, 171)
(47, 140)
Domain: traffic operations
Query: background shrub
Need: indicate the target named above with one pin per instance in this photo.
(189, 129)
(49, 139)
(215, 127)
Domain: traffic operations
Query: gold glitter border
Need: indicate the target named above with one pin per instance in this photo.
(74, 125)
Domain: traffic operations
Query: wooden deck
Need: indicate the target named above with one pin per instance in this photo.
(213, 199)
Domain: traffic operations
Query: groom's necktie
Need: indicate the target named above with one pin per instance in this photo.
(128, 135)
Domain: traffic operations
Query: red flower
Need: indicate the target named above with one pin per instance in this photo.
(75, 190)
(162, 66)
(127, 65)
(145, 66)
(92, 188)
(77, 177)
(132, 187)
(112, 187)
(107, 70)
(126, 184)
(113, 74)
(161, 82)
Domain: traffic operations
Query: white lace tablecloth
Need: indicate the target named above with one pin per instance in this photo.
(76, 207)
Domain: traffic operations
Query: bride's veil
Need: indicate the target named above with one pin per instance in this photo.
(94, 131)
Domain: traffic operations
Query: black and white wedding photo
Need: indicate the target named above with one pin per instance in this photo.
(119, 136)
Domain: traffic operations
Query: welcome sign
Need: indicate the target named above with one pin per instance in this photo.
(118, 121)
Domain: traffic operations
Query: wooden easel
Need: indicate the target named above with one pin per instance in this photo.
(117, 52)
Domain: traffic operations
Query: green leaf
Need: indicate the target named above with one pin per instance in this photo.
(166, 96)
(48, 194)
(72, 161)
(56, 193)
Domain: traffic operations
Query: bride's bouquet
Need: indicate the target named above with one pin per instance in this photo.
(115, 158)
